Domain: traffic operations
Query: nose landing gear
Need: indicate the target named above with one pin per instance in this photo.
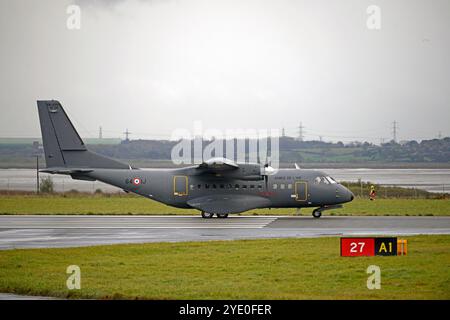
(317, 213)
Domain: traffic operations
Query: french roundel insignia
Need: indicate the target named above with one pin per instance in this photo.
(136, 181)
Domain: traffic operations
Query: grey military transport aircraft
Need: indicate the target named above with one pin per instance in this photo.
(217, 186)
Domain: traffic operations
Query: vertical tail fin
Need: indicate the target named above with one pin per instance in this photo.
(58, 133)
(63, 147)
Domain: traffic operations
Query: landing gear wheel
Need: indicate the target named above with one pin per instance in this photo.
(317, 213)
(222, 215)
(207, 215)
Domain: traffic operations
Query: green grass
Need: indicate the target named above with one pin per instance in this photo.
(85, 204)
(244, 269)
(129, 204)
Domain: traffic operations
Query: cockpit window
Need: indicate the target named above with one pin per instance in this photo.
(322, 180)
(331, 180)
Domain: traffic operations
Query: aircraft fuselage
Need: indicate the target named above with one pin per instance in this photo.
(176, 187)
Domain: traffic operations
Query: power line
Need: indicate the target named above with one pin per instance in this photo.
(127, 135)
(300, 132)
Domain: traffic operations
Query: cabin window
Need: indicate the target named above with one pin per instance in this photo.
(244, 186)
(229, 186)
(259, 186)
(236, 186)
(282, 186)
(191, 187)
(222, 186)
(214, 186)
(290, 186)
(199, 186)
(252, 186)
(275, 186)
(206, 186)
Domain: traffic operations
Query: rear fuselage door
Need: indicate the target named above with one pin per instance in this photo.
(180, 186)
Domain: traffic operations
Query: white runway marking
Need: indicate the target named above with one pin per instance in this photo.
(125, 222)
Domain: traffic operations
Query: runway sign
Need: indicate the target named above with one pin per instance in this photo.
(402, 247)
(386, 246)
(359, 247)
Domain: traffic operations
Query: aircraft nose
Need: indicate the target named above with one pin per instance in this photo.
(348, 195)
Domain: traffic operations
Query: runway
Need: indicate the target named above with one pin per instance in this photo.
(73, 231)
(11, 296)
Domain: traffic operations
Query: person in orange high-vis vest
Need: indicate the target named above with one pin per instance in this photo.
(372, 193)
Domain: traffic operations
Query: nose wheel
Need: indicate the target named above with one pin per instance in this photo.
(317, 213)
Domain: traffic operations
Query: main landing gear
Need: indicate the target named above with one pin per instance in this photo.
(208, 215)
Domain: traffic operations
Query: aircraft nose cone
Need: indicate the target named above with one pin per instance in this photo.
(348, 195)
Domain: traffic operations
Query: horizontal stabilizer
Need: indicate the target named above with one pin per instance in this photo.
(65, 170)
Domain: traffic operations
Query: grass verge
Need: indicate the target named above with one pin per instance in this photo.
(244, 269)
(134, 205)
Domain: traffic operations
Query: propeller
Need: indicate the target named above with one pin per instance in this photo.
(267, 168)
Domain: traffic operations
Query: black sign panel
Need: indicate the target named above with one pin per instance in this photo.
(385, 246)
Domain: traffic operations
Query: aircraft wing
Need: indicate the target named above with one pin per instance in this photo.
(229, 169)
(217, 165)
(228, 203)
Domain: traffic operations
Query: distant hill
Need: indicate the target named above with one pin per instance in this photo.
(29, 141)
(291, 150)
(435, 150)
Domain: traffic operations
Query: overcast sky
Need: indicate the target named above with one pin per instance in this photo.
(154, 66)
